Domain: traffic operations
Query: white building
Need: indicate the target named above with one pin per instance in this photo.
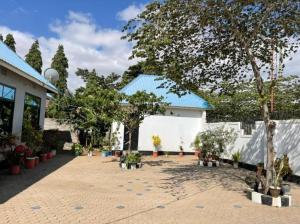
(21, 88)
(183, 120)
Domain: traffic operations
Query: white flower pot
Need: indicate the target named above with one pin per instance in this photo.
(90, 153)
(235, 165)
(53, 152)
(133, 166)
(217, 163)
(209, 164)
(123, 165)
(201, 163)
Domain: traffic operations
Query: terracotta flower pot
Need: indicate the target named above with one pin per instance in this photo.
(43, 157)
(181, 154)
(30, 162)
(117, 153)
(275, 191)
(15, 169)
(155, 154)
(37, 160)
(49, 155)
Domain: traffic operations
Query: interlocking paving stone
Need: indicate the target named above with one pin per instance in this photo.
(147, 189)
(139, 194)
(129, 189)
(120, 185)
(120, 207)
(199, 206)
(237, 206)
(160, 206)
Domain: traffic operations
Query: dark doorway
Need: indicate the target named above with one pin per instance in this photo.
(134, 140)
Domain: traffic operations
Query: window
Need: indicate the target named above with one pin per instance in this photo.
(32, 107)
(7, 104)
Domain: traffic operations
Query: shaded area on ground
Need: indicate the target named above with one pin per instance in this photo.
(12, 185)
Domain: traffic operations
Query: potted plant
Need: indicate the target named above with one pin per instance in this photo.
(275, 189)
(43, 157)
(132, 160)
(157, 144)
(29, 159)
(78, 149)
(196, 145)
(14, 162)
(90, 150)
(236, 157)
(285, 172)
(181, 151)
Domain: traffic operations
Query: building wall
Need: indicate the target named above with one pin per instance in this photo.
(22, 87)
(253, 147)
(177, 127)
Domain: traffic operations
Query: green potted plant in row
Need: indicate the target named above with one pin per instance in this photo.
(196, 145)
(14, 161)
(78, 149)
(130, 160)
(157, 144)
(236, 157)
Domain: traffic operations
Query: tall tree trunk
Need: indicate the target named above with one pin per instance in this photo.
(129, 140)
(269, 125)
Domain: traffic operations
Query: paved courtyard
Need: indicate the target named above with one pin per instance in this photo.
(165, 190)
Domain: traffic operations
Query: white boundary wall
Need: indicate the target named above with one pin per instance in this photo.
(253, 147)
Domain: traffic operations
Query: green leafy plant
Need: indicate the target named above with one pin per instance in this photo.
(132, 158)
(196, 143)
(286, 169)
(236, 157)
(277, 174)
(77, 148)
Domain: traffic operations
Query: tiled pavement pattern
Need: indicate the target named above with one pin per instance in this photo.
(166, 190)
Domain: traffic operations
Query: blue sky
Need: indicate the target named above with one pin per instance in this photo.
(90, 31)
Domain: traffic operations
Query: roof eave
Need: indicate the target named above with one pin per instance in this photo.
(27, 76)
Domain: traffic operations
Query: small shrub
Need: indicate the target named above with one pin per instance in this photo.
(236, 157)
(78, 149)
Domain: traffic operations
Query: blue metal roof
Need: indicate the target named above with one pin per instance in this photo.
(11, 58)
(152, 83)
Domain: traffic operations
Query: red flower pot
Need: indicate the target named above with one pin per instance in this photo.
(15, 169)
(49, 155)
(117, 153)
(37, 161)
(30, 162)
(155, 154)
(43, 157)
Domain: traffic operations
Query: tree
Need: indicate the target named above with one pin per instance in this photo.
(138, 106)
(60, 64)
(34, 57)
(1, 37)
(204, 43)
(10, 42)
(93, 107)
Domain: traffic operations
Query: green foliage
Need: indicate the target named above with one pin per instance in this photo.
(34, 57)
(10, 42)
(60, 64)
(94, 107)
(30, 135)
(196, 143)
(1, 37)
(132, 158)
(77, 148)
(236, 157)
(213, 142)
(286, 169)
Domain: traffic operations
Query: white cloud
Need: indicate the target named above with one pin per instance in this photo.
(130, 12)
(86, 46)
